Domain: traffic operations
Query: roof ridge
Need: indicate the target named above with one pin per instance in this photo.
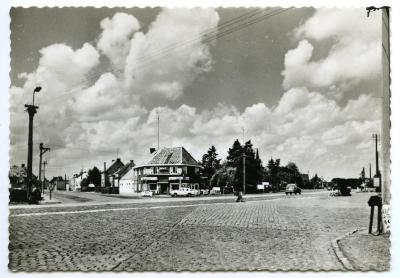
(181, 154)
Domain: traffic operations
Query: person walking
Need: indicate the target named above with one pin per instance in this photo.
(239, 197)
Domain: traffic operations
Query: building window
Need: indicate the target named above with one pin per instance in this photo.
(174, 186)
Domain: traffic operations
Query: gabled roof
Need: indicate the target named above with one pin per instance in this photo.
(125, 169)
(114, 167)
(172, 156)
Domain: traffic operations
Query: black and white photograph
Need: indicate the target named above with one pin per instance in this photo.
(171, 139)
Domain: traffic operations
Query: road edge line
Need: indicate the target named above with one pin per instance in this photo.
(339, 253)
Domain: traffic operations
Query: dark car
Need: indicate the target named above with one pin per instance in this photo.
(292, 188)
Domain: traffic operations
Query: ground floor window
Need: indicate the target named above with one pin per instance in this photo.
(153, 186)
(174, 186)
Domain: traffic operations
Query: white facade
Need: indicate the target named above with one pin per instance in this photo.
(126, 184)
(76, 182)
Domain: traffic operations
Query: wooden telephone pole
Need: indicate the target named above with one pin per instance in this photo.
(42, 150)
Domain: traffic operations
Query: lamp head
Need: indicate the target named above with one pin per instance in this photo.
(37, 89)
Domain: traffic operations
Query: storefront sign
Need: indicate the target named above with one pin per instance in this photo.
(149, 178)
(178, 178)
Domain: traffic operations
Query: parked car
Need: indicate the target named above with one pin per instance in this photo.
(204, 192)
(186, 192)
(215, 191)
(292, 188)
(147, 193)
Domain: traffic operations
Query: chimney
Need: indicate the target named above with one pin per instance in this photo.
(152, 150)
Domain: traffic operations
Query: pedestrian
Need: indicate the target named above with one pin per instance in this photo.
(35, 196)
(239, 197)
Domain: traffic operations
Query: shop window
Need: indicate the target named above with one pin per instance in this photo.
(174, 186)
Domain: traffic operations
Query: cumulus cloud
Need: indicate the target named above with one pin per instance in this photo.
(81, 104)
(354, 55)
(163, 62)
(115, 38)
(109, 112)
(311, 129)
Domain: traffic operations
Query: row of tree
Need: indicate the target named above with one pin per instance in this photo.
(229, 173)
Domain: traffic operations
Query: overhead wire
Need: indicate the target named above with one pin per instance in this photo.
(145, 62)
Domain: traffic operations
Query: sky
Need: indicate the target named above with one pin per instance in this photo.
(305, 84)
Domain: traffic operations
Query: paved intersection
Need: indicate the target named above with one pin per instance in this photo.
(292, 233)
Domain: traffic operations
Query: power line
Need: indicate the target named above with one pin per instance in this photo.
(146, 62)
(93, 77)
(222, 25)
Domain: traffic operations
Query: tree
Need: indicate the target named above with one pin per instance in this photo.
(272, 172)
(315, 181)
(253, 164)
(93, 176)
(210, 162)
(223, 177)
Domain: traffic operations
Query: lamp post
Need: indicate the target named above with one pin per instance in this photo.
(32, 109)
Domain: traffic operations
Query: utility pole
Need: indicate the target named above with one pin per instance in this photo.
(377, 172)
(244, 164)
(65, 182)
(42, 150)
(31, 109)
(384, 180)
(370, 173)
(44, 171)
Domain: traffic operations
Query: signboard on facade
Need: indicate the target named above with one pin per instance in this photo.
(149, 178)
(178, 178)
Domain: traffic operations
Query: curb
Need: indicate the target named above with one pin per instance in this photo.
(338, 252)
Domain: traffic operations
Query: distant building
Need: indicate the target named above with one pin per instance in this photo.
(168, 168)
(59, 183)
(76, 181)
(124, 178)
(108, 178)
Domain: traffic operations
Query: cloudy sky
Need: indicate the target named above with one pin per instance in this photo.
(305, 84)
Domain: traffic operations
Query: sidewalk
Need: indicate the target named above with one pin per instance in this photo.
(46, 200)
(367, 252)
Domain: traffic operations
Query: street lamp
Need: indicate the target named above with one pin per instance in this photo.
(31, 109)
(37, 90)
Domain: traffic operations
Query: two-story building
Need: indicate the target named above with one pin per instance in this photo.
(108, 177)
(124, 178)
(168, 168)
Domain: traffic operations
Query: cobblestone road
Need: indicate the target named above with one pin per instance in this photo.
(281, 234)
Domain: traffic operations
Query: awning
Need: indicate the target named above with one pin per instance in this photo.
(178, 178)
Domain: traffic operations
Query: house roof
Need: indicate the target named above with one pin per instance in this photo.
(172, 156)
(125, 169)
(114, 167)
